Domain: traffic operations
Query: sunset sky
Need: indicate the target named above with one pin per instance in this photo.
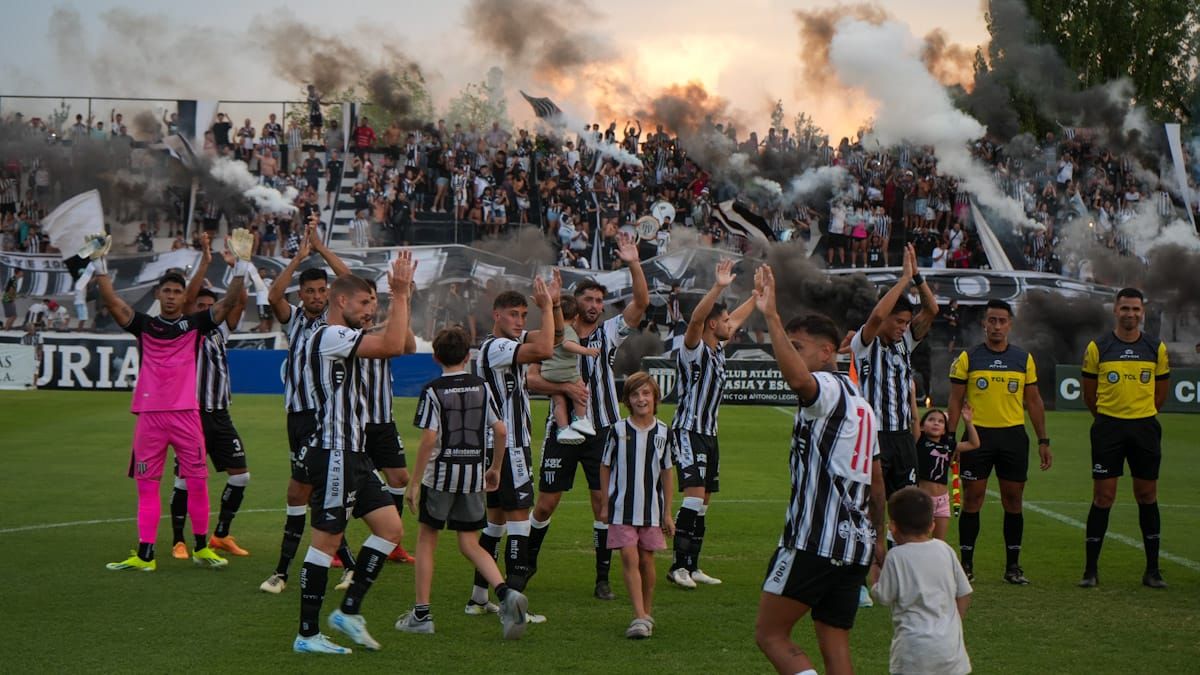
(747, 52)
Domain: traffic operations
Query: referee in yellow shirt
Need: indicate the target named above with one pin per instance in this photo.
(999, 380)
(1125, 380)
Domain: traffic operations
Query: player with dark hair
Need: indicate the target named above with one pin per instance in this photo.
(164, 398)
(599, 391)
(299, 321)
(1125, 381)
(455, 412)
(998, 380)
(333, 460)
(502, 361)
(222, 443)
(693, 438)
(833, 527)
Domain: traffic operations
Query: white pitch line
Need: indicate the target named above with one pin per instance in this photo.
(105, 521)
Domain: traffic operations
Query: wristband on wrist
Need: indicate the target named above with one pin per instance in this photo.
(1043, 441)
(917, 279)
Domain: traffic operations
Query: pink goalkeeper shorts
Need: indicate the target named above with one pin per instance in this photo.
(154, 431)
(646, 538)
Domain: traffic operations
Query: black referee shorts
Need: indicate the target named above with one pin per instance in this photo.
(221, 440)
(384, 446)
(301, 426)
(559, 461)
(516, 483)
(1116, 440)
(829, 587)
(898, 460)
(344, 485)
(697, 460)
(1005, 448)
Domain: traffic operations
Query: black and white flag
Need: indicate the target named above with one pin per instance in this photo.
(542, 107)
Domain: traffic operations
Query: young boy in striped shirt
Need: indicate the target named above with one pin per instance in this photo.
(635, 458)
(455, 411)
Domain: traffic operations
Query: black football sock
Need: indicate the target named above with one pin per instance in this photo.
(698, 541)
(968, 532)
(1014, 532)
(1151, 524)
(537, 535)
(201, 541)
(1097, 525)
(344, 554)
(371, 558)
(685, 529)
(421, 613)
(293, 532)
(603, 552)
(314, 576)
(397, 494)
(516, 558)
(231, 501)
(502, 591)
(178, 511)
(145, 552)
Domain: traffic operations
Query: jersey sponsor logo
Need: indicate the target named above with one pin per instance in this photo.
(1129, 354)
(1113, 377)
(998, 364)
(847, 530)
(1145, 377)
(1013, 386)
(551, 463)
(981, 383)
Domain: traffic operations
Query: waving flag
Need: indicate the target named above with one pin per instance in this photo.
(542, 107)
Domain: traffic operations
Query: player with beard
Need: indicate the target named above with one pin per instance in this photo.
(693, 437)
(599, 391)
(299, 321)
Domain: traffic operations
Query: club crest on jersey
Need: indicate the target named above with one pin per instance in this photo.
(660, 442)
(981, 383)
(1145, 377)
(864, 368)
(339, 374)
(1113, 377)
(1013, 386)
(664, 378)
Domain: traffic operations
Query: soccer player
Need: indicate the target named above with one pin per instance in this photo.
(693, 440)
(222, 442)
(636, 473)
(300, 321)
(599, 390)
(383, 442)
(455, 412)
(164, 398)
(882, 350)
(1125, 380)
(998, 380)
(502, 361)
(333, 459)
(836, 509)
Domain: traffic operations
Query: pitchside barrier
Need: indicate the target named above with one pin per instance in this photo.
(109, 362)
(1183, 394)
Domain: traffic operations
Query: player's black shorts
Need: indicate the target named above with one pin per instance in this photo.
(898, 460)
(221, 440)
(1005, 448)
(829, 587)
(516, 482)
(697, 460)
(557, 473)
(1115, 441)
(300, 428)
(344, 485)
(384, 446)
(458, 511)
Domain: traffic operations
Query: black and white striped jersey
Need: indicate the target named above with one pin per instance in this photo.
(885, 375)
(597, 371)
(377, 381)
(834, 442)
(636, 458)
(460, 407)
(699, 387)
(497, 364)
(337, 386)
(212, 370)
(297, 382)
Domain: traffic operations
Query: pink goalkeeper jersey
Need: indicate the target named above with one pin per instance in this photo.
(169, 350)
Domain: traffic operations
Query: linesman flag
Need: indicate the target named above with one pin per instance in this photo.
(737, 219)
(542, 107)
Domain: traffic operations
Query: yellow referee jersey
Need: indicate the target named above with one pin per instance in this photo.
(996, 383)
(1125, 374)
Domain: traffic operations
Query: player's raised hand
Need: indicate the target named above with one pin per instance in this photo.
(227, 255)
(627, 250)
(764, 290)
(306, 240)
(206, 247)
(400, 279)
(845, 348)
(725, 275)
(554, 288)
(910, 261)
(241, 242)
(541, 294)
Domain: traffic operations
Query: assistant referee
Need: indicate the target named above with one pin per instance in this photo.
(1125, 380)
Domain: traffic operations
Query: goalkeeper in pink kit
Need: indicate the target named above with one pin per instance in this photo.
(164, 399)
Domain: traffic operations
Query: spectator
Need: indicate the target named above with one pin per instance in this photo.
(9, 299)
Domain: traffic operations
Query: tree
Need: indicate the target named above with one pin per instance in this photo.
(777, 115)
(474, 106)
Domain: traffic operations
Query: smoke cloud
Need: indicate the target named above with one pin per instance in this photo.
(236, 174)
(538, 36)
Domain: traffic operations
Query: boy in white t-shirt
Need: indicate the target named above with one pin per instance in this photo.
(924, 584)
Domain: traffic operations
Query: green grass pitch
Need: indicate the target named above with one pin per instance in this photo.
(68, 509)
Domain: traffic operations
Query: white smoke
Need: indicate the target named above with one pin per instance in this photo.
(884, 61)
(237, 174)
(816, 179)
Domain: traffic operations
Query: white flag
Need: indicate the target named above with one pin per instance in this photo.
(73, 220)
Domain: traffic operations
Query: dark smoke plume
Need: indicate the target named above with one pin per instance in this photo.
(547, 38)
